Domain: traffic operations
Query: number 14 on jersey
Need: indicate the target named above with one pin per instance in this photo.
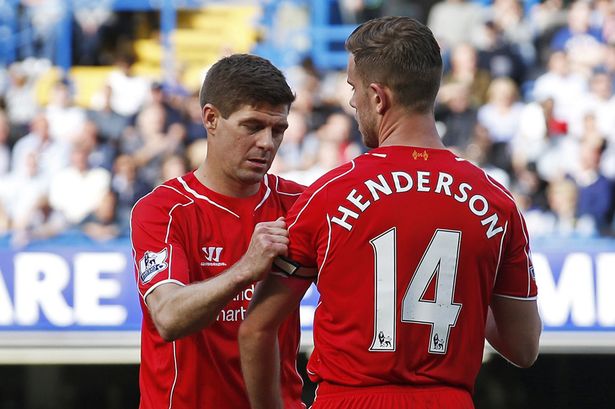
(439, 262)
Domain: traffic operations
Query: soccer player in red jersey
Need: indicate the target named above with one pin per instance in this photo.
(419, 255)
(202, 240)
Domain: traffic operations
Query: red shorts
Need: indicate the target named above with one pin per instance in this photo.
(391, 397)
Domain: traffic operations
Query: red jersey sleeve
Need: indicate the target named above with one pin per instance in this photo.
(158, 248)
(515, 275)
(302, 222)
(309, 223)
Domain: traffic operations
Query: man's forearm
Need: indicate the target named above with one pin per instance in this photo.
(260, 364)
(178, 312)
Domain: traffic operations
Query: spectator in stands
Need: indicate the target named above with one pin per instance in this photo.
(149, 143)
(546, 17)
(192, 119)
(127, 186)
(500, 117)
(195, 152)
(560, 84)
(338, 129)
(457, 117)
(66, 120)
(479, 151)
(102, 152)
(5, 152)
(561, 218)
(418, 9)
(595, 191)
(534, 133)
(103, 224)
(20, 192)
(158, 97)
(77, 190)
(464, 70)
(39, 24)
(129, 92)
(90, 16)
(52, 155)
(597, 102)
(608, 65)
(581, 41)
(498, 56)
(110, 124)
(508, 15)
(327, 157)
(454, 22)
(528, 182)
(20, 97)
(173, 166)
(298, 149)
(43, 223)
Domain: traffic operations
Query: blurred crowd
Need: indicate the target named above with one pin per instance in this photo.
(527, 94)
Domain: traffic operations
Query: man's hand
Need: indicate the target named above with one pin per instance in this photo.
(269, 240)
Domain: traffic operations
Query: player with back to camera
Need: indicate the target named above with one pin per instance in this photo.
(419, 254)
(202, 240)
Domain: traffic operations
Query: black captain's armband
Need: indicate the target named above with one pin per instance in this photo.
(291, 268)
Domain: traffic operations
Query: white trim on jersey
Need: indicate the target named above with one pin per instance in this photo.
(516, 298)
(203, 197)
(174, 378)
(158, 284)
(266, 195)
(277, 180)
(380, 155)
(318, 190)
(324, 260)
(527, 240)
(497, 266)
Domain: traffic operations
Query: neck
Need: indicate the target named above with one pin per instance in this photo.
(409, 129)
(214, 178)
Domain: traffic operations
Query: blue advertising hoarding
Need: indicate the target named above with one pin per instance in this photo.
(69, 301)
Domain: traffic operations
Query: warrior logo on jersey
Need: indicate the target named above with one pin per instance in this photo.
(151, 264)
(212, 255)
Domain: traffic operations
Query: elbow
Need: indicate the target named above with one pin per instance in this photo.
(527, 359)
(252, 333)
(246, 331)
(527, 356)
(166, 327)
(167, 335)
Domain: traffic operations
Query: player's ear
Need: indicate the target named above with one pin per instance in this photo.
(210, 116)
(381, 97)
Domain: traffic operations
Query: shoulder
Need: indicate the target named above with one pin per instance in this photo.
(486, 184)
(161, 201)
(336, 175)
(318, 191)
(283, 186)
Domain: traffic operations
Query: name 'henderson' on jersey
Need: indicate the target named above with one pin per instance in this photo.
(394, 182)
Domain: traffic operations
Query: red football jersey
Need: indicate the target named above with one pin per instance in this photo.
(410, 245)
(183, 233)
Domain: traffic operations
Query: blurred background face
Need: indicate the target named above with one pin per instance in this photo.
(601, 86)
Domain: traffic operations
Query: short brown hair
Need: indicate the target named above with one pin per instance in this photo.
(402, 54)
(243, 79)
